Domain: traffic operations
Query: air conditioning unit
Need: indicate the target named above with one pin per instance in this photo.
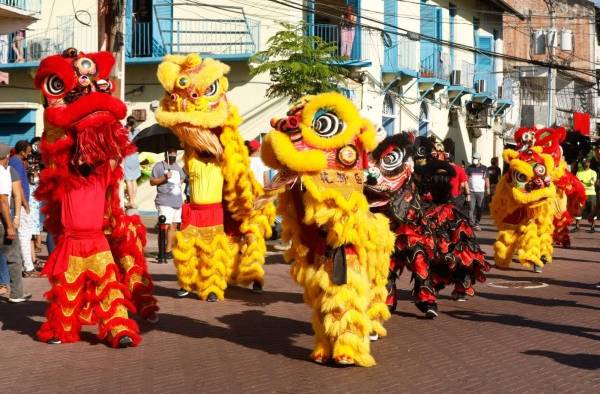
(455, 78)
(566, 40)
(39, 48)
(480, 87)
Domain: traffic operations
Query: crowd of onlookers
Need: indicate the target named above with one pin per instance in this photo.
(21, 217)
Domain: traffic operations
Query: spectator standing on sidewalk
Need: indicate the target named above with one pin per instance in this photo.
(10, 254)
(19, 162)
(589, 178)
(131, 166)
(494, 173)
(168, 178)
(479, 185)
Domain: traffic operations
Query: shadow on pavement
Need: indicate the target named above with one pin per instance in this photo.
(17, 317)
(519, 321)
(580, 360)
(535, 300)
(251, 329)
(265, 298)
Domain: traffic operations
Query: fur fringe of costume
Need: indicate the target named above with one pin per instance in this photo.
(570, 196)
(208, 125)
(85, 131)
(523, 208)
(339, 250)
(433, 239)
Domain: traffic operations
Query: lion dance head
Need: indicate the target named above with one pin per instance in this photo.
(79, 107)
(195, 104)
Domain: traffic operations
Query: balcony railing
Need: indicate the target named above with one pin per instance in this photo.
(433, 67)
(37, 44)
(403, 56)
(34, 6)
(350, 42)
(185, 35)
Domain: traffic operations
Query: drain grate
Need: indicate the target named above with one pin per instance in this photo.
(517, 284)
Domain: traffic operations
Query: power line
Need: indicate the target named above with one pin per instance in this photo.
(420, 36)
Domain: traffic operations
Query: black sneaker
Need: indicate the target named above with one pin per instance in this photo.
(125, 341)
(168, 256)
(53, 341)
(257, 287)
(575, 229)
(212, 297)
(428, 308)
(182, 293)
(592, 230)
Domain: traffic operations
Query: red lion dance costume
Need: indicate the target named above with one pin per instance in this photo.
(570, 192)
(97, 271)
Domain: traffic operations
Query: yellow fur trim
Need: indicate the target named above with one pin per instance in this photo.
(368, 137)
(283, 151)
(345, 111)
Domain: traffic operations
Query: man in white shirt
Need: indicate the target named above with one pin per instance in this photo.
(479, 185)
(9, 242)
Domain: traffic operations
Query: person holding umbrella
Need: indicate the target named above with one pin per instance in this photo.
(168, 178)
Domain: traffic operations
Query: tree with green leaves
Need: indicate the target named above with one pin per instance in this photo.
(299, 64)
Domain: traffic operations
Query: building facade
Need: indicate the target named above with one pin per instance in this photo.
(422, 65)
(563, 33)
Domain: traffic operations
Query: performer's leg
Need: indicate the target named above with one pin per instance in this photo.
(215, 259)
(140, 286)
(504, 248)
(322, 350)
(252, 258)
(111, 307)
(184, 257)
(62, 316)
(343, 309)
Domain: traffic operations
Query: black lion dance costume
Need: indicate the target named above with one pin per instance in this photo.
(433, 239)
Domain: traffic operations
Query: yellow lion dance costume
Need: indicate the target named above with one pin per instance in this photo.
(340, 251)
(522, 208)
(223, 236)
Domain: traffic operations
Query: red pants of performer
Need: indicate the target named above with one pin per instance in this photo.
(87, 292)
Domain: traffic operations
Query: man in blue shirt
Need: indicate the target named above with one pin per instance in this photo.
(19, 161)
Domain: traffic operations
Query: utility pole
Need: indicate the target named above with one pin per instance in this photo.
(551, 70)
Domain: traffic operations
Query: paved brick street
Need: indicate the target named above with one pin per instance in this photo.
(545, 339)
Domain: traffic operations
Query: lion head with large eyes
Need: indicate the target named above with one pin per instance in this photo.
(527, 184)
(194, 106)
(322, 132)
(390, 167)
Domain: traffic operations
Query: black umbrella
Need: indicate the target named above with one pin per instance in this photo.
(156, 139)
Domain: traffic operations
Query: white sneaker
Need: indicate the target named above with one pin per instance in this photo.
(182, 293)
(25, 297)
(373, 336)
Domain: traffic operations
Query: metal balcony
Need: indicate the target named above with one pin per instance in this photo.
(31, 6)
(201, 31)
(38, 44)
(350, 44)
(400, 57)
(16, 15)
